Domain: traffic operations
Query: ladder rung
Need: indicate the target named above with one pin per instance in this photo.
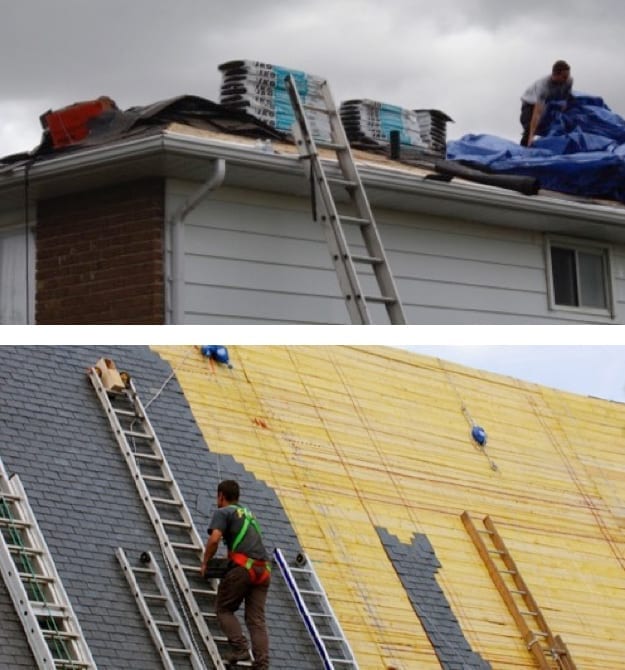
(372, 260)
(14, 523)
(157, 480)
(498, 552)
(62, 634)
(155, 596)
(354, 220)
(330, 145)
(19, 549)
(316, 108)
(184, 545)
(148, 457)
(508, 572)
(179, 651)
(127, 412)
(166, 624)
(527, 613)
(167, 501)
(39, 579)
(387, 300)
(47, 609)
(518, 592)
(176, 524)
(11, 497)
(310, 592)
(137, 434)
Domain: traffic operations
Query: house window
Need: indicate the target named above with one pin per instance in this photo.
(14, 286)
(580, 276)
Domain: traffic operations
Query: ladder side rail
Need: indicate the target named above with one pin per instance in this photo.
(504, 592)
(187, 518)
(370, 234)
(334, 619)
(15, 587)
(565, 660)
(337, 241)
(28, 616)
(519, 581)
(144, 608)
(154, 516)
(303, 609)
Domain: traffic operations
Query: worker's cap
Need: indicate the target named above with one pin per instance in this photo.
(560, 66)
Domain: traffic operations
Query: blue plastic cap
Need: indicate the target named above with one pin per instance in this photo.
(216, 352)
(479, 435)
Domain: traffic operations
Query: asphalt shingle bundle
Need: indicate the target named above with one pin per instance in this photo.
(260, 90)
(369, 123)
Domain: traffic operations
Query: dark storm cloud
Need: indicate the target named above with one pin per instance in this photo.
(471, 58)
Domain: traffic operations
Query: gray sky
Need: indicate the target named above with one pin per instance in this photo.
(470, 58)
(583, 369)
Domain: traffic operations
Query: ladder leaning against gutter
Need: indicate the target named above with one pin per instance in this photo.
(317, 613)
(335, 223)
(35, 587)
(180, 541)
(548, 649)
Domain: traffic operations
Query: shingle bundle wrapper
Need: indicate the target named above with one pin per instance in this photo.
(369, 123)
(260, 90)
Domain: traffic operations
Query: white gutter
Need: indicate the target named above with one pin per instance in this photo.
(214, 181)
(391, 181)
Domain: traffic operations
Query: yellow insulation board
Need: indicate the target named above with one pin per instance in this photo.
(354, 438)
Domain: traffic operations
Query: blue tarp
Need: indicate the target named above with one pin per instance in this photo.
(581, 150)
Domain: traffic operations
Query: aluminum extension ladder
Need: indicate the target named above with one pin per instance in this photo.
(548, 649)
(162, 618)
(335, 223)
(317, 613)
(180, 541)
(40, 600)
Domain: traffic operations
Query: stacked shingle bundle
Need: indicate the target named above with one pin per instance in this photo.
(259, 89)
(433, 124)
(369, 124)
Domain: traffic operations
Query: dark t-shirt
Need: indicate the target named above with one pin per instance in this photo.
(229, 520)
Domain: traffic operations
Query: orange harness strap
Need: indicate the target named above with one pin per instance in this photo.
(259, 571)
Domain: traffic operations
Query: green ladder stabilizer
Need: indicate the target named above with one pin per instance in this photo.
(167, 628)
(335, 223)
(38, 595)
(548, 649)
(180, 542)
(316, 612)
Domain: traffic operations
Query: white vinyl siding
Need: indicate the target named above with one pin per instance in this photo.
(255, 257)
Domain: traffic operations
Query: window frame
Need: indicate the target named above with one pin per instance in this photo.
(589, 246)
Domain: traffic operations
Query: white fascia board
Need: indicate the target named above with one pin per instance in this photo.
(401, 188)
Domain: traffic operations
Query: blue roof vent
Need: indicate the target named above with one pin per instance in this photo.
(217, 353)
(479, 435)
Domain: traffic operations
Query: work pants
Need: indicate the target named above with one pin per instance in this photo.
(526, 117)
(234, 588)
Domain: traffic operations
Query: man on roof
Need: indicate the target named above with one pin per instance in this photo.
(247, 578)
(554, 87)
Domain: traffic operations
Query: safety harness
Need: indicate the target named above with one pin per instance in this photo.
(258, 570)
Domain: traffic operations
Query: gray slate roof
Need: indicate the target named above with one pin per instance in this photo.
(54, 435)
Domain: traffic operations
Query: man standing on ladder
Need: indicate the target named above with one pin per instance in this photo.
(247, 578)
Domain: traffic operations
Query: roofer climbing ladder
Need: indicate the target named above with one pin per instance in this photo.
(335, 224)
(35, 587)
(549, 651)
(180, 542)
(317, 613)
